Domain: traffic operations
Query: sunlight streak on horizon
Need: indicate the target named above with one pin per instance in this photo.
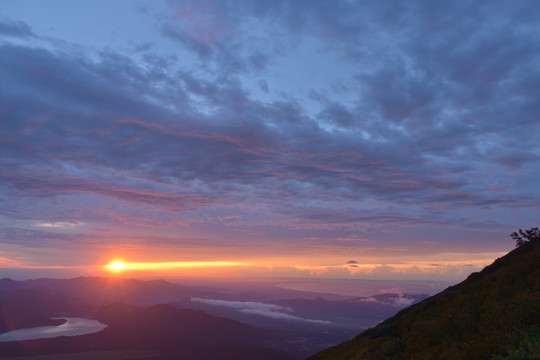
(170, 265)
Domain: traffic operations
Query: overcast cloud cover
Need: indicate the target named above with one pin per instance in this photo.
(264, 128)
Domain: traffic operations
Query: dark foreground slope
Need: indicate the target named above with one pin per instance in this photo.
(494, 314)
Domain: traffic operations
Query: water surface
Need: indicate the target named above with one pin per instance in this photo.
(72, 327)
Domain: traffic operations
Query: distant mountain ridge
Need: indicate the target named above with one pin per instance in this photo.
(292, 326)
(102, 290)
(159, 332)
(492, 315)
(155, 332)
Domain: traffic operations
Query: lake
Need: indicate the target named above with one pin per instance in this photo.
(72, 327)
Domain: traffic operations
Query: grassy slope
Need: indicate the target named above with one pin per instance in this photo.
(489, 315)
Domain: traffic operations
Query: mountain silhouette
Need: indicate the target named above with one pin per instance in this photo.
(293, 325)
(158, 332)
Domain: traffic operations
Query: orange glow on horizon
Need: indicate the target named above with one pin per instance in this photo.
(432, 266)
(171, 265)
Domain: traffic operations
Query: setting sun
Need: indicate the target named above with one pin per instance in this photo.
(116, 266)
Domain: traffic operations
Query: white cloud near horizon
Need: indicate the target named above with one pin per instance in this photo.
(256, 308)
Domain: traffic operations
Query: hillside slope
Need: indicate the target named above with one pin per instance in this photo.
(494, 314)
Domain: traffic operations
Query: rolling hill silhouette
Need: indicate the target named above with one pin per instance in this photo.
(297, 322)
(160, 332)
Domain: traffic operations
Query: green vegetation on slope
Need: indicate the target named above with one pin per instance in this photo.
(492, 315)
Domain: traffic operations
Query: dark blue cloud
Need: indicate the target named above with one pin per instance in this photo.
(15, 29)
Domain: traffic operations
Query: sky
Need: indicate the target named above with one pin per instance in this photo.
(332, 139)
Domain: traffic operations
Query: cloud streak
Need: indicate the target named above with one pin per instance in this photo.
(255, 308)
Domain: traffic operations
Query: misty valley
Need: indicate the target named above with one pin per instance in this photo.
(156, 319)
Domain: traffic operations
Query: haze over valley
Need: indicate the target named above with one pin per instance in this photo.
(295, 323)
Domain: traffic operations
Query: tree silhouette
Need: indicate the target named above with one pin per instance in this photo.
(526, 236)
